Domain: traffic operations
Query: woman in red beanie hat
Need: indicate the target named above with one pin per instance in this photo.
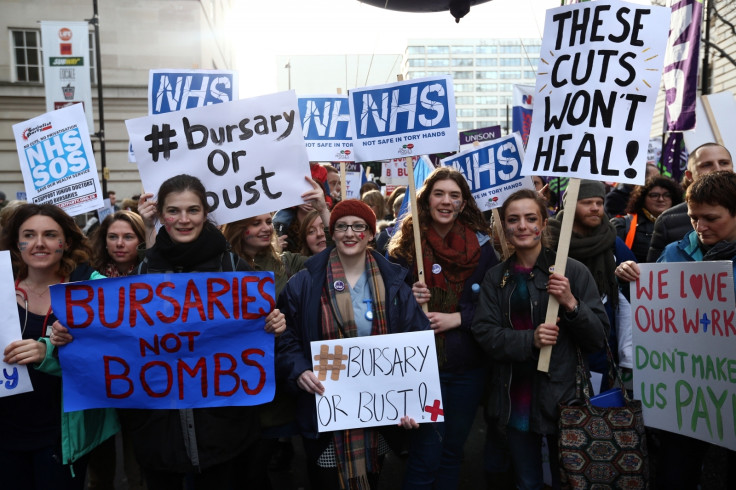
(456, 252)
(347, 290)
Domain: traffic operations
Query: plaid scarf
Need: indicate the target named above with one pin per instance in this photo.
(111, 270)
(356, 450)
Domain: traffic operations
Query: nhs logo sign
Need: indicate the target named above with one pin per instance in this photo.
(402, 119)
(174, 90)
(326, 127)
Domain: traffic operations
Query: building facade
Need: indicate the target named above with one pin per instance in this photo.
(135, 36)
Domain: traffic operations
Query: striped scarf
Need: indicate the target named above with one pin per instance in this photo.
(356, 450)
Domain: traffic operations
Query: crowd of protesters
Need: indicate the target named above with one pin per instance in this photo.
(487, 312)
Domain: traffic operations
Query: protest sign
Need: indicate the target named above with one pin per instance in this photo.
(66, 64)
(57, 161)
(354, 179)
(167, 341)
(596, 88)
(402, 119)
(480, 135)
(105, 211)
(326, 126)
(175, 90)
(375, 380)
(394, 173)
(684, 337)
(249, 154)
(14, 379)
(521, 111)
(493, 170)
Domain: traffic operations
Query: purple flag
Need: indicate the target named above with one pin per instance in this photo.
(674, 158)
(680, 73)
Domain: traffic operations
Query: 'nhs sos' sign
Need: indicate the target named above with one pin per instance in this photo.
(414, 116)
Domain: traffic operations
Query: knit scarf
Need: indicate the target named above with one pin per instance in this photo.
(449, 261)
(595, 251)
(210, 243)
(111, 270)
(356, 450)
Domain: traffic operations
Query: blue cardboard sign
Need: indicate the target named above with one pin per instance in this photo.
(493, 170)
(167, 341)
(174, 90)
(402, 119)
(326, 127)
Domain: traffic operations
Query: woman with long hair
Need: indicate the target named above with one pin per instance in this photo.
(522, 404)
(457, 252)
(41, 447)
(345, 291)
(313, 234)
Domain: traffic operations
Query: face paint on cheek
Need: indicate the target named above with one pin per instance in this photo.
(510, 230)
(458, 207)
(537, 233)
(168, 223)
(22, 246)
(61, 244)
(361, 236)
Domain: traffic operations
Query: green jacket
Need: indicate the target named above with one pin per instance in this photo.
(84, 430)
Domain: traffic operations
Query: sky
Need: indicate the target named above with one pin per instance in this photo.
(263, 30)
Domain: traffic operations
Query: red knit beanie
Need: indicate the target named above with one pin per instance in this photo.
(353, 207)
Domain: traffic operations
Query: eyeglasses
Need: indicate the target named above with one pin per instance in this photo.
(657, 196)
(356, 227)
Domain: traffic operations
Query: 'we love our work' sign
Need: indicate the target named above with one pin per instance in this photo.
(684, 334)
(375, 380)
(167, 341)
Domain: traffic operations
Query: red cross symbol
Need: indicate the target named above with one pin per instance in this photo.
(434, 410)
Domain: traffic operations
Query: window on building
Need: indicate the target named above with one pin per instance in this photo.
(465, 112)
(529, 74)
(505, 99)
(509, 62)
(486, 100)
(416, 74)
(486, 49)
(415, 50)
(509, 49)
(438, 49)
(484, 75)
(485, 87)
(533, 49)
(27, 60)
(510, 75)
(439, 62)
(505, 87)
(463, 87)
(462, 62)
(436, 73)
(463, 100)
(461, 49)
(462, 75)
(486, 112)
(486, 124)
(464, 125)
(486, 62)
(502, 112)
(416, 62)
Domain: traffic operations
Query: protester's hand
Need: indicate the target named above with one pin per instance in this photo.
(546, 334)
(276, 322)
(283, 239)
(309, 383)
(628, 271)
(442, 322)
(315, 199)
(545, 193)
(408, 423)
(421, 292)
(27, 351)
(147, 210)
(60, 334)
(559, 287)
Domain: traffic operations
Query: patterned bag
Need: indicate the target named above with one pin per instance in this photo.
(602, 447)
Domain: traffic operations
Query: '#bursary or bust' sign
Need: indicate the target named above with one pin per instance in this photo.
(597, 84)
(396, 120)
(167, 340)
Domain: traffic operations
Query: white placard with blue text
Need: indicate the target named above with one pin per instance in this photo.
(326, 127)
(249, 154)
(57, 160)
(493, 170)
(402, 119)
(684, 339)
(375, 380)
(14, 378)
(597, 84)
(174, 90)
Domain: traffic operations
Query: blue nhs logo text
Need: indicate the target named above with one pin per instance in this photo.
(400, 109)
(176, 91)
(325, 118)
(489, 166)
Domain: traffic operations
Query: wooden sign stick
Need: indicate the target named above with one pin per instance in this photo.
(415, 223)
(563, 247)
(499, 232)
(343, 171)
(711, 120)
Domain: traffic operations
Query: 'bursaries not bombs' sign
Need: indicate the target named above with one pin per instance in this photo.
(684, 334)
(375, 380)
(57, 160)
(249, 154)
(493, 170)
(167, 341)
(402, 119)
(326, 127)
(597, 84)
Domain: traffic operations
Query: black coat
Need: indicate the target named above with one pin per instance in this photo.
(671, 226)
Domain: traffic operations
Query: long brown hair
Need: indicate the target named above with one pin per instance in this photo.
(235, 235)
(77, 251)
(401, 245)
(100, 255)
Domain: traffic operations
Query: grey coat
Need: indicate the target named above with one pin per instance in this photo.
(492, 328)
